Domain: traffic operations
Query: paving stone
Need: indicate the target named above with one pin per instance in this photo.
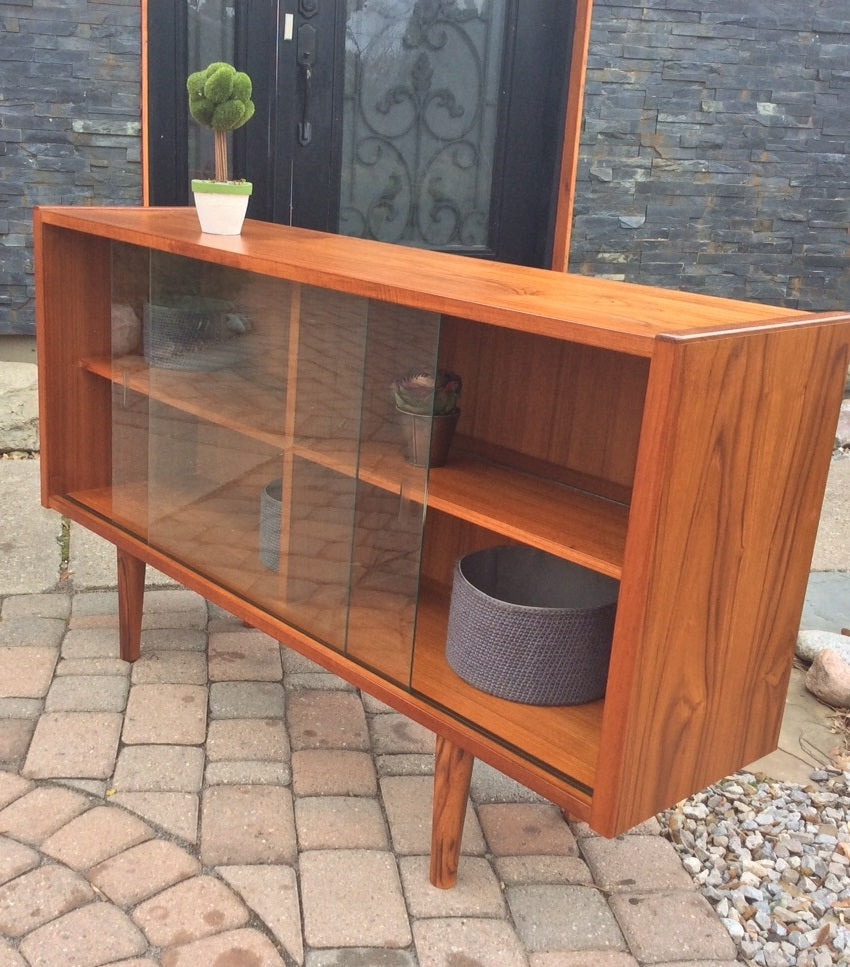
(141, 871)
(340, 822)
(296, 664)
(85, 603)
(93, 666)
(272, 893)
(15, 735)
(333, 772)
(31, 631)
(94, 836)
(252, 772)
(21, 708)
(38, 605)
(405, 765)
(172, 667)
(70, 745)
(523, 829)
(98, 933)
(326, 720)
(166, 714)
(40, 812)
(31, 557)
(12, 786)
(318, 682)
(393, 733)
(477, 893)
(159, 768)
(177, 602)
(515, 870)
(176, 812)
(671, 926)
(490, 785)
(15, 858)
(9, 958)
(484, 943)
(247, 824)
(635, 863)
(374, 706)
(240, 948)
(594, 958)
(39, 896)
(190, 910)
(245, 739)
(550, 917)
(244, 656)
(408, 801)
(247, 700)
(173, 639)
(352, 898)
(91, 643)
(26, 672)
(360, 957)
(88, 693)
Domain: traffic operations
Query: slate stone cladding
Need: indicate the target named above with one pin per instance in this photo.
(714, 149)
(70, 108)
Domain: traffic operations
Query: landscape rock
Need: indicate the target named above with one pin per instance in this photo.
(842, 432)
(829, 679)
(18, 407)
(810, 643)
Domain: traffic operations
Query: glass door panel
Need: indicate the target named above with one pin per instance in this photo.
(419, 121)
(255, 440)
(390, 496)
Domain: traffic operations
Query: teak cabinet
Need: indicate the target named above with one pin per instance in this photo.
(678, 443)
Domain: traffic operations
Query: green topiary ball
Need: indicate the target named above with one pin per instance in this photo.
(220, 97)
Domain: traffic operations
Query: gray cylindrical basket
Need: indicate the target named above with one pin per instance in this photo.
(530, 627)
(188, 337)
(270, 508)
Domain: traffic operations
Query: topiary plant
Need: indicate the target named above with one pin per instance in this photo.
(220, 98)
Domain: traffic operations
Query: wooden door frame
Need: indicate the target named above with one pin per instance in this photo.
(571, 140)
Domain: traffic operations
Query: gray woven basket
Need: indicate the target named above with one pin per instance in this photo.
(189, 337)
(270, 509)
(530, 627)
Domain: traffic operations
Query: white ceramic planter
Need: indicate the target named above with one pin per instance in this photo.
(221, 205)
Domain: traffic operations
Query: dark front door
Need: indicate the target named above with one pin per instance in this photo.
(433, 123)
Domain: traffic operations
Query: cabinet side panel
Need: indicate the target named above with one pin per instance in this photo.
(736, 447)
(73, 302)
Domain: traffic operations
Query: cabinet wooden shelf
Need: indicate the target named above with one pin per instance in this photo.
(675, 442)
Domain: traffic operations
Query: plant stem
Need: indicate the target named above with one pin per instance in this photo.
(221, 156)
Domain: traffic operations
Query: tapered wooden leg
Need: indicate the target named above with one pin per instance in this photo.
(131, 593)
(452, 772)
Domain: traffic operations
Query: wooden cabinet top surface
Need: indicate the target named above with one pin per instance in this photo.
(597, 312)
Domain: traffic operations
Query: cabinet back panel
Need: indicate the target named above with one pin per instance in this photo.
(554, 408)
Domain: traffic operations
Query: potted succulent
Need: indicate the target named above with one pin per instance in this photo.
(220, 98)
(428, 404)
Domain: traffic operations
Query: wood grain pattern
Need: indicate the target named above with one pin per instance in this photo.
(737, 438)
(131, 592)
(452, 773)
(73, 300)
(597, 312)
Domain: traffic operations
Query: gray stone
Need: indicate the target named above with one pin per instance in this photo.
(811, 643)
(30, 544)
(827, 604)
(558, 917)
(18, 407)
(828, 678)
(842, 432)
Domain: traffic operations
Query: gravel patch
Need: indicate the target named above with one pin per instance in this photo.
(774, 860)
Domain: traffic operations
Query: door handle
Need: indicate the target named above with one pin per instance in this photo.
(306, 55)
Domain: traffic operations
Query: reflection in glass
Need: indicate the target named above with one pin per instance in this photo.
(419, 120)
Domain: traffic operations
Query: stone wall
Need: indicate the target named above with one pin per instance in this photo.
(70, 96)
(714, 153)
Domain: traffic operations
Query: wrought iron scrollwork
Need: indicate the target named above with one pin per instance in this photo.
(420, 121)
